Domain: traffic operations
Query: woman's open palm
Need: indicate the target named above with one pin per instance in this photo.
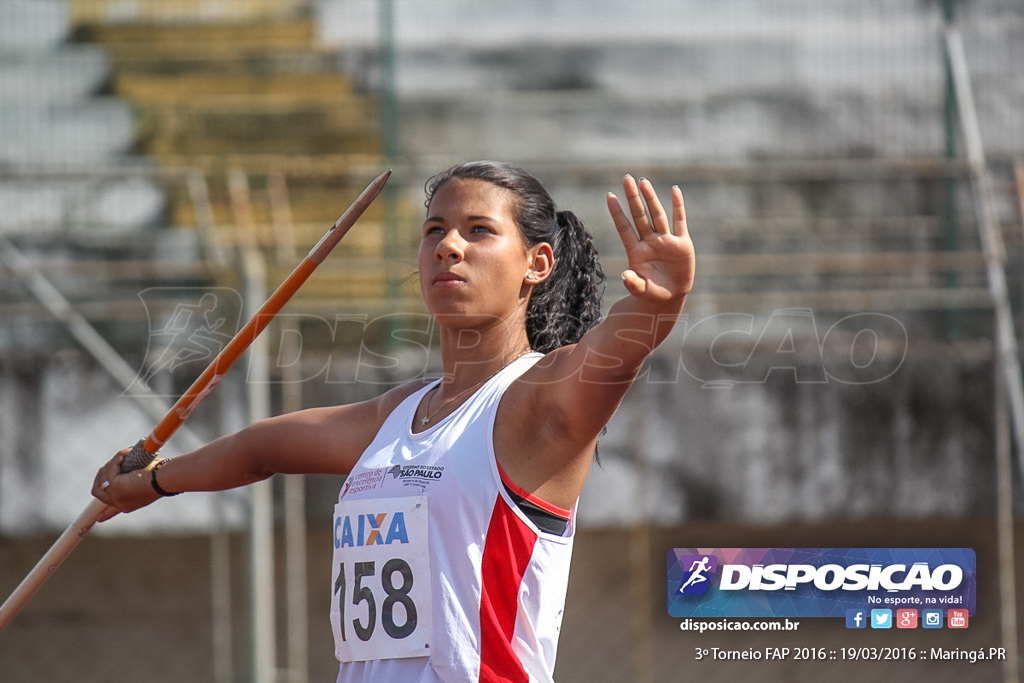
(659, 248)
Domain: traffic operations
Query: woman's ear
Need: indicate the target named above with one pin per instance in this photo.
(542, 260)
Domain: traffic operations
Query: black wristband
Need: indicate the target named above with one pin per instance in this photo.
(156, 486)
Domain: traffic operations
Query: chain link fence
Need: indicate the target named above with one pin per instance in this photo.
(833, 368)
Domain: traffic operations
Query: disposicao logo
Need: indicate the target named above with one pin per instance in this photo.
(818, 582)
(696, 581)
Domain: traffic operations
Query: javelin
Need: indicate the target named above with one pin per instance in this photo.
(145, 450)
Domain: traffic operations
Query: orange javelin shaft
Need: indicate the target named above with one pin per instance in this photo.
(145, 450)
(245, 337)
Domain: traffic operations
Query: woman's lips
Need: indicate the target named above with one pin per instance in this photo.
(447, 279)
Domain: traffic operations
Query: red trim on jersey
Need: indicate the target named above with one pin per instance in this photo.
(507, 550)
(539, 502)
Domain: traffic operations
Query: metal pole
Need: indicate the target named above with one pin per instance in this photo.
(1004, 528)
(294, 485)
(951, 218)
(261, 534)
(640, 542)
(264, 635)
(295, 541)
(1007, 360)
(991, 239)
(220, 596)
(220, 543)
(390, 133)
(388, 84)
(1018, 175)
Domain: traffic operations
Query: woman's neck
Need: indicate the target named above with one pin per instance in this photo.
(470, 356)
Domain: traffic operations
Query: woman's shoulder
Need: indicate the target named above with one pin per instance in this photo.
(387, 402)
(545, 366)
(369, 413)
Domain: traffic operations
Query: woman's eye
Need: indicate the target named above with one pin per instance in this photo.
(481, 228)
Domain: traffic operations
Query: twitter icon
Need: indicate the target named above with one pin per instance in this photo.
(881, 618)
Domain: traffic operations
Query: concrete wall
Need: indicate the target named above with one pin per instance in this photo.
(742, 431)
(683, 81)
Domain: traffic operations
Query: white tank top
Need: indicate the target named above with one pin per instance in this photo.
(438, 575)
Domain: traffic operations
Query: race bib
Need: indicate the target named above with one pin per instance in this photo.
(380, 597)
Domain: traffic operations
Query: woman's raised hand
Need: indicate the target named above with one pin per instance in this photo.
(659, 249)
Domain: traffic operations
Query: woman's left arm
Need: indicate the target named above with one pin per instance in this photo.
(568, 397)
(660, 276)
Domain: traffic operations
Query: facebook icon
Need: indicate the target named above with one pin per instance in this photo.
(856, 618)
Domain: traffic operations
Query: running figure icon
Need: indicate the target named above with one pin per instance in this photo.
(697, 570)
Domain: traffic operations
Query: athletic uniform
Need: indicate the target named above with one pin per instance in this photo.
(442, 568)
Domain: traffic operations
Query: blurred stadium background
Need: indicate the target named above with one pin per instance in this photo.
(837, 380)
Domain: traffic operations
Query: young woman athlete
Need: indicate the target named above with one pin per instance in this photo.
(453, 530)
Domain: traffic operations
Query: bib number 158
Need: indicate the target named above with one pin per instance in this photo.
(364, 590)
(381, 581)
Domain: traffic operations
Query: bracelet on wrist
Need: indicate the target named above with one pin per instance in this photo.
(153, 481)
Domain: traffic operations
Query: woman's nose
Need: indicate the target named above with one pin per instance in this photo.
(451, 246)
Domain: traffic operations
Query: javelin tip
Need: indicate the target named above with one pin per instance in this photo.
(319, 252)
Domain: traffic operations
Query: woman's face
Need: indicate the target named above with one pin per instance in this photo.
(473, 261)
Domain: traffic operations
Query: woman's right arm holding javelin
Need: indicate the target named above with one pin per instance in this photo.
(326, 440)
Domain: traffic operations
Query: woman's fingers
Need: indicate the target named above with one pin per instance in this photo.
(679, 228)
(108, 513)
(644, 205)
(106, 475)
(646, 217)
(637, 210)
(622, 223)
(635, 284)
(654, 212)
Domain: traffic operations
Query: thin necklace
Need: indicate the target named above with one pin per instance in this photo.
(425, 420)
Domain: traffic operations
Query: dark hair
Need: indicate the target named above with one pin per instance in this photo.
(568, 302)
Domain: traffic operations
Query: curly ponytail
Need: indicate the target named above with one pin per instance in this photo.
(568, 302)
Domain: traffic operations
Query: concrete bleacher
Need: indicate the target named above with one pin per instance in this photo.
(723, 98)
(64, 144)
(257, 96)
(685, 81)
(51, 112)
(111, 99)
(809, 136)
(674, 86)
